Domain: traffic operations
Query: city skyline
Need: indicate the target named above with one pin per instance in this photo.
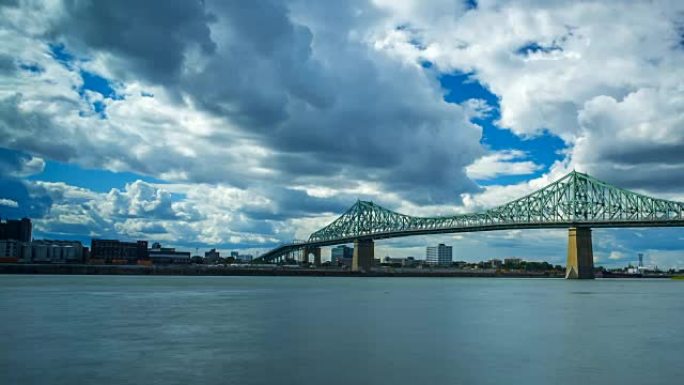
(206, 134)
(16, 239)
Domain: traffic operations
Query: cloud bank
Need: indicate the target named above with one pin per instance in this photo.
(263, 120)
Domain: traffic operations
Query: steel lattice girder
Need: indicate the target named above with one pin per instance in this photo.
(575, 200)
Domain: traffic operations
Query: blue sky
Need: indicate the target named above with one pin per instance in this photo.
(194, 130)
(543, 149)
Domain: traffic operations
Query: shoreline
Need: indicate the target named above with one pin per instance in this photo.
(200, 270)
(286, 271)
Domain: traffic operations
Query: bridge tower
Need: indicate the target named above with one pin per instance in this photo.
(316, 251)
(580, 254)
(364, 253)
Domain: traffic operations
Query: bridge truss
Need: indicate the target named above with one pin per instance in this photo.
(576, 200)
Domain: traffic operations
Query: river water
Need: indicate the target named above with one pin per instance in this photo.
(307, 330)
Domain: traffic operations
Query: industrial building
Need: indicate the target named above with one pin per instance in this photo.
(168, 255)
(399, 262)
(117, 252)
(16, 229)
(54, 251)
(42, 251)
(11, 250)
(212, 257)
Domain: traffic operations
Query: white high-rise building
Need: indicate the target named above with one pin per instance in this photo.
(438, 255)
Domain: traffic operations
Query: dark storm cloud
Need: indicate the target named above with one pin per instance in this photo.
(665, 153)
(326, 106)
(369, 125)
(153, 36)
(654, 167)
(650, 177)
(21, 130)
(296, 204)
(263, 60)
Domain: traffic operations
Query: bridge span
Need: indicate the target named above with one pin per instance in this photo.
(577, 202)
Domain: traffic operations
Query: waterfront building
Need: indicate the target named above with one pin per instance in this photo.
(212, 257)
(512, 262)
(245, 258)
(399, 262)
(495, 263)
(168, 255)
(409, 262)
(438, 255)
(235, 254)
(117, 252)
(341, 255)
(42, 251)
(10, 250)
(54, 251)
(392, 261)
(16, 229)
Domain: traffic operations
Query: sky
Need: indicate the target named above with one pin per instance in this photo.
(241, 125)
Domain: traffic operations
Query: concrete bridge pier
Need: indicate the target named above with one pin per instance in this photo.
(580, 254)
(364, 253)
(316, 251)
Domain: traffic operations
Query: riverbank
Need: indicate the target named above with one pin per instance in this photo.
(202, 270)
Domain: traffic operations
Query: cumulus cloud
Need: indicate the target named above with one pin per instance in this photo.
(234, 104)
(8, 202)
(507, 162)
(150, 211)
(637, 142)
(139, 199)
(268, 118)
(605, 77)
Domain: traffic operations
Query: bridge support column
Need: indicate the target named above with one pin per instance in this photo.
(580, 254)
(364, 253)
(316, 251)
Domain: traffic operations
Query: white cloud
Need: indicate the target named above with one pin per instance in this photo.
(506, 162)
(635, 142)
(8, 203)
(218, 117)
(147, 211)
(604, 76)
(615, 255)
(477, 108)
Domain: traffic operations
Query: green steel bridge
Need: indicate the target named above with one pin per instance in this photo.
(577, 201)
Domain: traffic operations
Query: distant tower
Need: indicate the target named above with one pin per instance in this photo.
(641, 260)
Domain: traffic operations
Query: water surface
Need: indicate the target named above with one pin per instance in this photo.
(308, 330)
